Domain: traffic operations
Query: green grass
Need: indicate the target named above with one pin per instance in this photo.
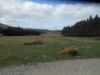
(12, 50)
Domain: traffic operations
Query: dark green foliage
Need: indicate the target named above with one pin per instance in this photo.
(89, 28)
(17, 31)
(0, 29)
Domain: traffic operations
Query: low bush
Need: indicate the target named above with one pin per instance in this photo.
(69, 51)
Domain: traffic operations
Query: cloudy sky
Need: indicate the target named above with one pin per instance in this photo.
(45, 14)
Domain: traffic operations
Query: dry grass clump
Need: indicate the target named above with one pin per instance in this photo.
(69, 51)
(98, 38)
(36, 42)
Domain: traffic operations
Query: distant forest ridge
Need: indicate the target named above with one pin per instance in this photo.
(84, 28)
(18, 31)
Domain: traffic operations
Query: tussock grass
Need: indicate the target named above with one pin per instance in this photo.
(69, 51)
(97, 38)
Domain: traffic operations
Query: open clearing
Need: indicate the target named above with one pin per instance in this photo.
(68, 67)
(14, 52)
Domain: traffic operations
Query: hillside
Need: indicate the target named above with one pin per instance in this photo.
(3, 26)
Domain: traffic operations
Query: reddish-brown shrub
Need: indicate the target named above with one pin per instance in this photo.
(69, 51)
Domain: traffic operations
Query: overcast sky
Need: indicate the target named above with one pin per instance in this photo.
(44, 14)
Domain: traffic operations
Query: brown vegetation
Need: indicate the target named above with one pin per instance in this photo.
(69, 51)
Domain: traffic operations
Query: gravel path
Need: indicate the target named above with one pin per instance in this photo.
(68, 67)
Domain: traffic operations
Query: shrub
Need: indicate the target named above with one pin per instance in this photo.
(69, 51)
(36, 42)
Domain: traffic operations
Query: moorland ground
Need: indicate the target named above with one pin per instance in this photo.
(13, 50)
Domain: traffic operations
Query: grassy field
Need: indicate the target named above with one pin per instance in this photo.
(12, 50)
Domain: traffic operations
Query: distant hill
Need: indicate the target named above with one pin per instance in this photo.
(46, 31)
(3, 26)
(43, 31)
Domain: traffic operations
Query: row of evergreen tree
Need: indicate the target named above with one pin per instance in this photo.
(17, 31)
(84, 28)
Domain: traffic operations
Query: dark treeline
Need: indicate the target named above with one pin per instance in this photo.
(17, 31)
(84, 28)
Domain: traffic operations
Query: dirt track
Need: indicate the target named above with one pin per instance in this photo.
(68, 67)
